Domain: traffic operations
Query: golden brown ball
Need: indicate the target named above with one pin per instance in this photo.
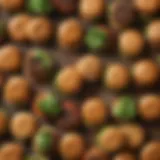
(124, 156)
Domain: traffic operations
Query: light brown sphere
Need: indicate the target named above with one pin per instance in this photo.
(17, 27)
(147, 7)
(116, 76)
(10, 58)
(16, 90)
(69, 81)
(71, 146)
(39, 30)
(94, 111)
(90, 67)
(135, 135)
(131, 43)
(145, 72)
(124, 156)
(3, 122)
(12, 5)
(111, 139)
(149, 107)
(151, 151)
(11, 151)
(23, 125)
(70, 33)
(153, 33)
(91, 9)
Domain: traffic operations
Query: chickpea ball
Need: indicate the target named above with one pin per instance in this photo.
(149, 107)
(16, 90)
(3, 122)
(12, 5)
(39, 6)
(73, 79)
(131, 43)
(153, 33)
(134, 134)
(11, 151)
(71, 146)
(111, 139)
(116, 76)
(16, 27)
(124, 156)
(70, 33)
(95, 153)
(147, 7)
(90, 67)
(94, 112)
(151, 151)
(10, 58)
(23, 125)
(91, 9)
(39, 30)
(145, 72)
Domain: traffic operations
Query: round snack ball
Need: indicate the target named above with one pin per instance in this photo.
(39, 6)
(3, 122)
(16, 90)
(94, 111)
(11, 151)
(90, 67)
(91, 9)
(124, 108)
(73, 79)
(16, 27)
(110, 139)
(70, 33)
(121, 13)
(116, 76)
(71, 146)
(43, 140)
(39, 30)
(145, 72)
(147, 7)
(134, 135)
(10, 58)
(151, 151)
(124, 156)
(131, 43)
(153, 33)
(12, 5)
(149, 107)
(23, 125)
(95, 153)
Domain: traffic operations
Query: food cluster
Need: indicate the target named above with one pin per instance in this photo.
(79, 80)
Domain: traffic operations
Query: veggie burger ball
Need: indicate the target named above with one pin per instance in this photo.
(116, 76)
(124, 156)
(11, 151)
(39, 30)
(153, 33)
(149, 107)
(147, 7)
(94, 112)
(23, 125)
(70, 33)
(91, 9)
(17, 27)
(71, 146)
(12, 5)
(10, 58)
(110, 139)
(145, 72)
(16, 90)
(134, 135)
(90, 67)
(3, 122)
(131, 43)
(73, 79)
(151, 151)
